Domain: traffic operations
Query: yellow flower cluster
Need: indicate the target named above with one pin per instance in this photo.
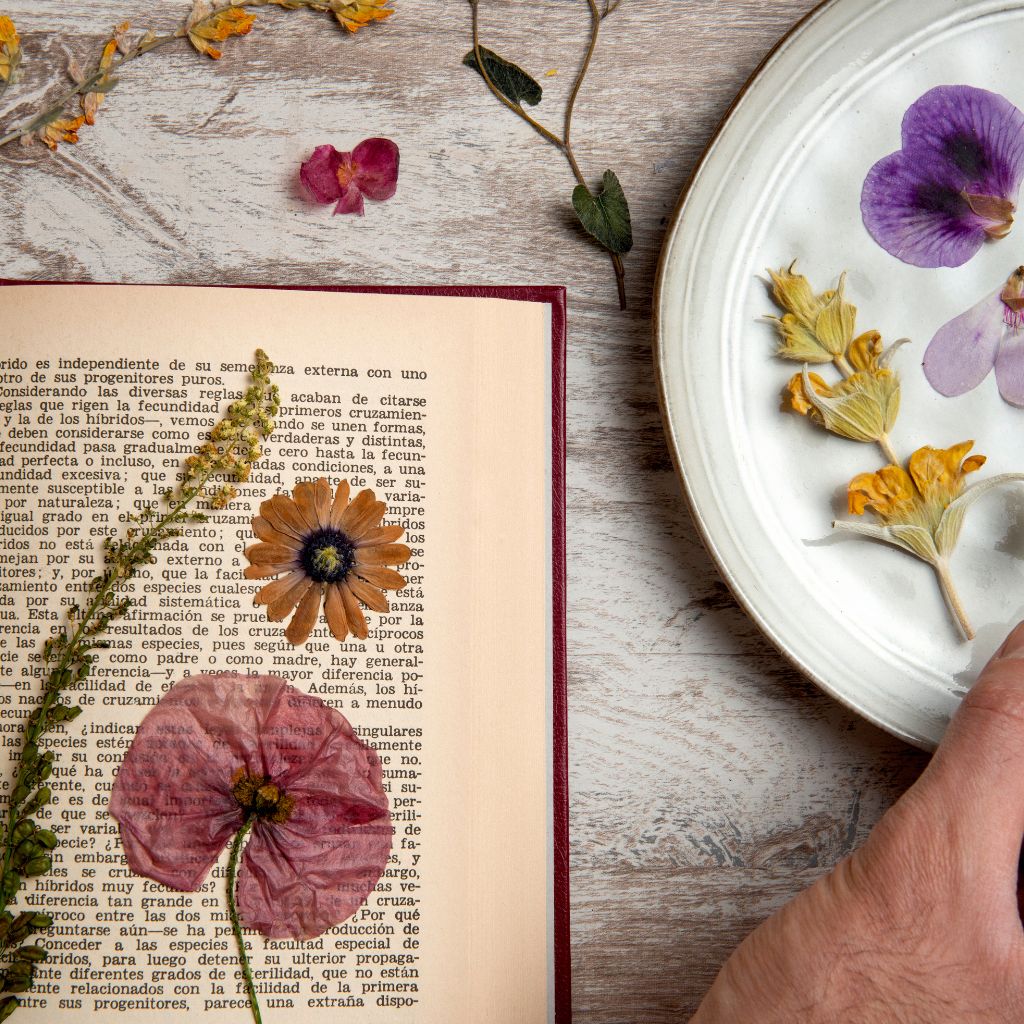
(10, 50)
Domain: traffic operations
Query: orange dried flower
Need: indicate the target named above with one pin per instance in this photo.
(206, 26)
(64, 129)
(92, 100)
(356, 15)
(10, 49)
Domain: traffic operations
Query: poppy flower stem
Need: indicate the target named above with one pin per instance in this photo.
(243, 957)
(949, 592)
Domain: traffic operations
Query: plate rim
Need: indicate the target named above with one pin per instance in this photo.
(658, 346)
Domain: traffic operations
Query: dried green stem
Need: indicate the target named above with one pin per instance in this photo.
(564, 144)
(236, 924)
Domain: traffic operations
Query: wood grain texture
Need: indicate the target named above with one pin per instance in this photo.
(709, 781)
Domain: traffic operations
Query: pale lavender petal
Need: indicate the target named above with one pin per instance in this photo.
(962, 352)
(300, 877)
(351, 201)
(957, 140)
(377, 160)
(320, 174)
(1010, 368)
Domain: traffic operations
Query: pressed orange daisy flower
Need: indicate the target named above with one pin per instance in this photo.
(326, 549)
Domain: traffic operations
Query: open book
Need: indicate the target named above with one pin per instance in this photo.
(450, 407)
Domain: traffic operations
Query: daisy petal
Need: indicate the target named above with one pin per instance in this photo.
(262, 572)
(356, 510)
(334, 610)
(284, 516)
(370, 596)
(379, 535)
(354, 614)
(961, 354)
(368, 519)
(322, 502)
(381, 577)
(1010, 369)
(383, 554)
(304, 497)
(305, 616)
(340, 503)
(275, 591)
(262, 528)
(267, 554)
(282, 606)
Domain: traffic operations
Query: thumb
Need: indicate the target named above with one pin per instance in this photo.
(974, 785)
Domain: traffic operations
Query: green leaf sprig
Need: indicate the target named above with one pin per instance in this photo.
(604, 216)
(68, 655)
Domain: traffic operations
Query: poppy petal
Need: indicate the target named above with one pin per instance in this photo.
(351, 201)
(320, 174)
(962, 352)
(377, 160)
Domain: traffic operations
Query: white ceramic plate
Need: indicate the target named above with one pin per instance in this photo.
(782, 180)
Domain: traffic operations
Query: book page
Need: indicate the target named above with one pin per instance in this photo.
(442, 406)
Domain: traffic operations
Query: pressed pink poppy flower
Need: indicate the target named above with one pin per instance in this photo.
(224, 754)
(370, 170)
(986, 337)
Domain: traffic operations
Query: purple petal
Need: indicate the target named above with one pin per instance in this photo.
(957, 141)
(320, 174)
(377, 160)
(1010, 368)
(351, 201)
(961, 354)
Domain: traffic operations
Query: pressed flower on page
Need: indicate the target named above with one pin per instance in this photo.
(954, 182)
(370, 170)
(986, 337)
(325, 548)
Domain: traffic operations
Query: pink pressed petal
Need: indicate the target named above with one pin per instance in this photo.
(351, 201)
(301, 877)
(961, 354)
(377, 161)
(320, 174)
(172, 795)
(1010, 369)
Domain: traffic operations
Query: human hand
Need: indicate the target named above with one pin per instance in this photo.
(920, 925)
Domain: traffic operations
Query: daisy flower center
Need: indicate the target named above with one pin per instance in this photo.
(327, 555)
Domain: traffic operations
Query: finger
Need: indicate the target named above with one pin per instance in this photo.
(973, 788)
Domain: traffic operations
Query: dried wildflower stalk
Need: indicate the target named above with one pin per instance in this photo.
(68, 655)
(919, 509)
(604, 216)
(205, 26)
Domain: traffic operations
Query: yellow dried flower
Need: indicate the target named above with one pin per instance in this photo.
(92, 100)
(206, 26)
(862, 407)
(10, 49)
(814, 328)
(63, 129)
(356, 15)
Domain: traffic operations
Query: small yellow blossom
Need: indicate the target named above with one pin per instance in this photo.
(92, 100)
(205, 27)
(814, 328)
(10, 49)
(359, 13)
(64, 129)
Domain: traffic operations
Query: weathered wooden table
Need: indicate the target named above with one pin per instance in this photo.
(709, 782)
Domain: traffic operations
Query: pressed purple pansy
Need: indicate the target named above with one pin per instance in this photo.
(224, 754)
(963, 351)
(954, 183)
(370, 170)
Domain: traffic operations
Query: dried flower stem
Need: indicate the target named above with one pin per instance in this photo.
(26, 847)
(949, 591)
(236, 925)
(141, 48)
(563, 144)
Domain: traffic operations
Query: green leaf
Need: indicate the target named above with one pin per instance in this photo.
(7, 1006)
(508, 78)
(606, 215)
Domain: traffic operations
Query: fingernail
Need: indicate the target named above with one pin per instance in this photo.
(1013, 645)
